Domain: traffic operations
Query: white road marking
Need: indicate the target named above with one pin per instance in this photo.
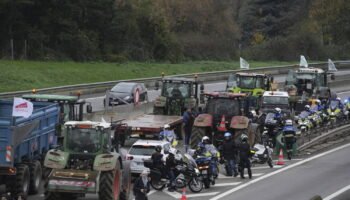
(226, 184)
(342, 92)
(337, 193)
(277, 172)
(223, 176)
(175, 195)
(202, 194)
(296, 159)
(268, 167)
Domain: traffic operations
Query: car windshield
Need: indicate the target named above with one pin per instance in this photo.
(83, 140)
(275, 100)
(176, 89)
(223, 106)
(122, 88)
(142, 150)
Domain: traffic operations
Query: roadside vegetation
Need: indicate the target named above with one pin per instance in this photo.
(26, 75)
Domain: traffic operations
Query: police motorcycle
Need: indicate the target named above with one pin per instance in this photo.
(271, 127)
(304, 123)
(289, 137)
(315, 116)
(186, 173)
(205, 165)
(335, 113)
(168, 135)
(262, 154)
(347, 107)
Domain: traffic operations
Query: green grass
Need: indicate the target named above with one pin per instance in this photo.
(26, 75)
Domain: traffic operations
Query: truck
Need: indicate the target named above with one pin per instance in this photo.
(23, 145)
(274, 99)
(253, 84)
(177, 94)
(147, 125)
(71, 108)
(305, 83)
(88, 163)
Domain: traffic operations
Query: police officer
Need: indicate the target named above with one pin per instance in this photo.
(279, 116)
(244, 155)
(168, 135)
(289, 137)
(157, 159)
(228, 153)
(212, 151)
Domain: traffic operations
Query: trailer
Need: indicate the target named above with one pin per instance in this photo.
(147, 125)
(24, 143)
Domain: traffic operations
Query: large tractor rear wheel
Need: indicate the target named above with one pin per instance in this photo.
(35, 177)
(196, 136)
(110, 184)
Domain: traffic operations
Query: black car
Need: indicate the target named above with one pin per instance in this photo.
(123, 93)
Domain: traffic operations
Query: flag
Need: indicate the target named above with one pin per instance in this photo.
(22, 108)
(303, 62)
(243, 64)
(331, 66)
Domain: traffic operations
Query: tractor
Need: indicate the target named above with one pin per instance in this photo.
(307, 83)
(176, 95)
(223, 113)
(71, 108)
(252, 84)
(88, 163)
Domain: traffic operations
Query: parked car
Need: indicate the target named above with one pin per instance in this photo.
(142, 150)
(123, 93)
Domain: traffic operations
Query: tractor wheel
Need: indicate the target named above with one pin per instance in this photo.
(158, 111)
(126, 181)
(110, 184)
(35, 177)
(20, 186)
(196, 136)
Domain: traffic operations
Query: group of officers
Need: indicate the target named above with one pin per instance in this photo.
(229, 153)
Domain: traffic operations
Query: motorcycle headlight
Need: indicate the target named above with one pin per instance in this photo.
(127, 98)
(332, 113)
(196, 170)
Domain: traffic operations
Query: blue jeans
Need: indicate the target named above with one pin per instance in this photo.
(171, 175)
(231, 167)
(187, 137)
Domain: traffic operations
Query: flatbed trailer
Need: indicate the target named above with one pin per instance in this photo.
(147, 125)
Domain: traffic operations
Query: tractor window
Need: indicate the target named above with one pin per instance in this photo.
(291, 78)
(176, 90)
(83, 140)
(260, 82)
(320, 81)
(228, 107)
(247, 82)
(232, 81)
(305, 76)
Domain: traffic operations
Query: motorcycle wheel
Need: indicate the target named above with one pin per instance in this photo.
(195, 185)
(206, 183)
(157, 185)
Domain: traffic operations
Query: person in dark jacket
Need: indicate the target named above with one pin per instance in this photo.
(228, 153)
(157, 159)
(170, 167)
(244, 155)
(187, 120)
(141, 187)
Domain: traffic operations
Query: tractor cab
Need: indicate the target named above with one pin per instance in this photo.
(176, 95)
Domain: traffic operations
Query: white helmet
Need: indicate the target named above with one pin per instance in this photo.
(278, 110)
(307, 107)
(318, 101)
(166, 126)
(289, 122)
(205, 138)
(338, 99)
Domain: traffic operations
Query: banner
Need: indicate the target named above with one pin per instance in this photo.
(303, 62)
(22, 108)
(243, 64)
(331, 66)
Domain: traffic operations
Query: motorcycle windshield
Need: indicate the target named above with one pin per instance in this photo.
(334, 104)
(304, 114)
(189, 160)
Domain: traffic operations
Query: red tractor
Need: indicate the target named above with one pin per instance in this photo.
(223, 113)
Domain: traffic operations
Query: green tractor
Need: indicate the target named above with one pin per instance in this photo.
(176, 95)
(252, 84)
(88, 163)
(71, 107)
(306, 83)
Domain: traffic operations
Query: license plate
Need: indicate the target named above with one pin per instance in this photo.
(204, 172)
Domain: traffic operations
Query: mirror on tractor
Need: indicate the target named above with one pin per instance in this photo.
(332, 77)
(202, 87)
(156, 85)
(89, 108)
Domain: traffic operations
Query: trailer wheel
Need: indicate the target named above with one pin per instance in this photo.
(196, 135)
(124, 195)
(35, 177)
(110, 184)
(21, 181)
